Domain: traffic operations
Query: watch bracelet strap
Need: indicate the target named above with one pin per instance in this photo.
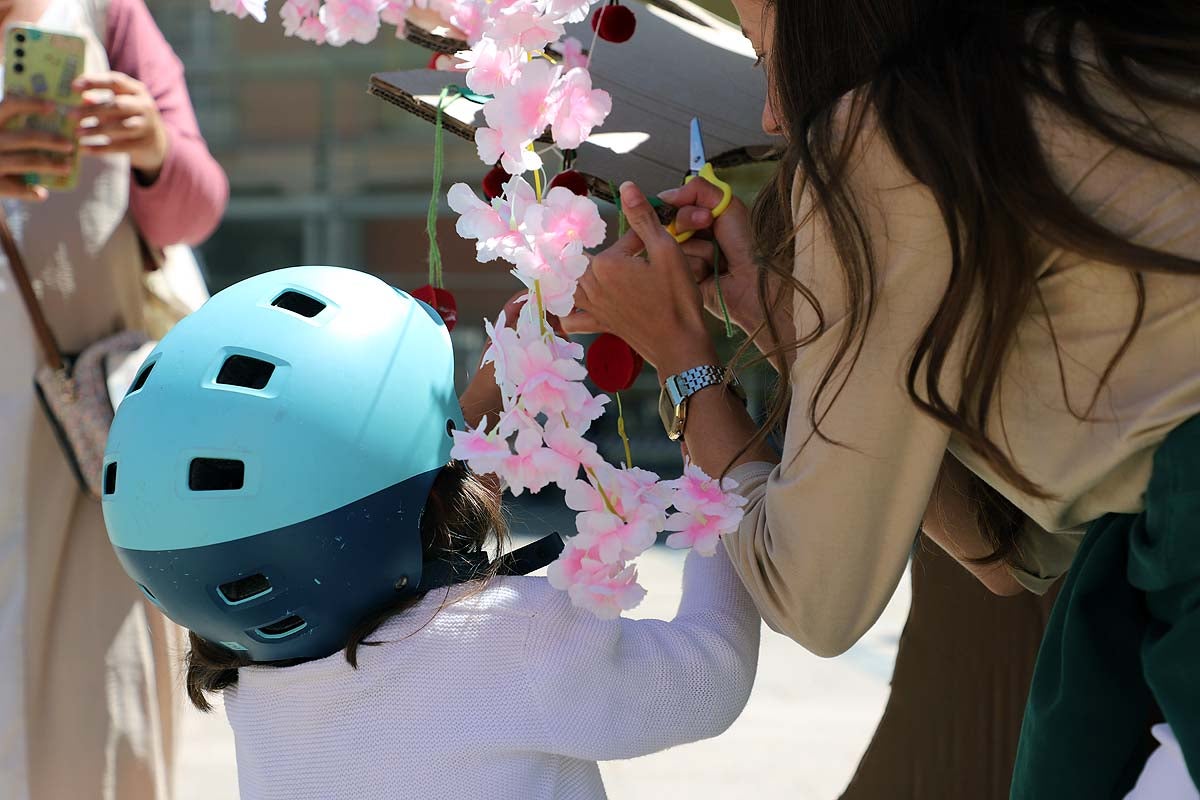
(697, 378)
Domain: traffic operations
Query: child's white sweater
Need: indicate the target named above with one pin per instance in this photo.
(511, 693)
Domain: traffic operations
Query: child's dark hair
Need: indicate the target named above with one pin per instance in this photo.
(461, 512)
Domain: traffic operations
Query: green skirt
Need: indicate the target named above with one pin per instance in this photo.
(1123, 642)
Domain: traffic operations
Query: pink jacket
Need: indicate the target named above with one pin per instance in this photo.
(185, 203)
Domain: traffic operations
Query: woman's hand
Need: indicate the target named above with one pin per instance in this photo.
(128, 122)
(653, 303)
(24, 152)
(731, 233)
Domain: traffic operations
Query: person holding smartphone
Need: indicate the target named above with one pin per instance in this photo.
(68, 728)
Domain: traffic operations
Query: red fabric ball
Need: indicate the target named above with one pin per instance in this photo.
(617, 23)
(612, 364)
(573, 180)
(493, 182)
(442, 302)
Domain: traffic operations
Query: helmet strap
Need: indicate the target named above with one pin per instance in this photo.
(464, 567)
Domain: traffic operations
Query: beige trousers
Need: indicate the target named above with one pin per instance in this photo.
(103, 683)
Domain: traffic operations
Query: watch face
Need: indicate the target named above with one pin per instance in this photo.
(666, 411)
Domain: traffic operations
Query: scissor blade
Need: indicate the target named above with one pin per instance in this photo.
(697, 160)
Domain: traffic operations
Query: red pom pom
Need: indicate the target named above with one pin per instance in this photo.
(493, 182)
(616, 23)
(442, 302)
(441, 62)
(573, 180)
(612, 364)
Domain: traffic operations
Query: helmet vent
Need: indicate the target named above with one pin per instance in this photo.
(245, 589)
(216, 475)
(110, 478)
(140, 380)
(299, 303)
(247, 372)
(284, 627)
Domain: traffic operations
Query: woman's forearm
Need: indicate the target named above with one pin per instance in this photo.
(718, 426)
(950, 521)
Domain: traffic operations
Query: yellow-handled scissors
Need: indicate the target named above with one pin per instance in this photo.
(698, 167)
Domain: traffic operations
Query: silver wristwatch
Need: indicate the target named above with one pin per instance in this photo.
(672, 402)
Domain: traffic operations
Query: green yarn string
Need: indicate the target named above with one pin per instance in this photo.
(720, 294)
(622, 223)
(439, 163)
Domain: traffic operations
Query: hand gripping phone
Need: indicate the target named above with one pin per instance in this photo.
(44, 64)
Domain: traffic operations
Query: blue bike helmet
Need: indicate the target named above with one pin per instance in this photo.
(265, 476)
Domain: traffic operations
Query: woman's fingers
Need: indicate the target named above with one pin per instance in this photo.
(580, 321)
(644, 221)
(116, 82)
(15, 106)
(17, 188)
(25, 162)
(693, 218)
(700, 256)
(124, 130)
(696, 192)
(35, 140)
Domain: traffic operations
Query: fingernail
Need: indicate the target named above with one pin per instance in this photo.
(630, 195)
(701, 217)
(668, 195)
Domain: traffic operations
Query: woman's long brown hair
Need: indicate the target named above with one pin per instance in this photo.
(949, 82)
(462, 512)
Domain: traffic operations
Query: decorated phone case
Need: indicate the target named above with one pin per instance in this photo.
(44, 64)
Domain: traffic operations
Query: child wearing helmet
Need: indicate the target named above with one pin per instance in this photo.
(278, 481)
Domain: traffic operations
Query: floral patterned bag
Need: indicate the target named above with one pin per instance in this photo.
(77, 394)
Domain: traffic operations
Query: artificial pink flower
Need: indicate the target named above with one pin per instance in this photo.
(699, 533)
(556, 277)
(546, 385)
(572, 53)
(565, 218)
(583, 415)
(705, 510)
(490, 67)
(351, 20)
(484, 452)
(569, 443)
(298, 17)
(395, 12)
(604, 589)
(506, 147)
(468, 17)
(696, 493)
(578, 108)
(533, 466)
(568, 11)
(523, 109)
(255, 9)
(524, 24)
(477, 219)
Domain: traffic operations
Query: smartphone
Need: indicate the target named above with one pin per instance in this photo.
(44, 64)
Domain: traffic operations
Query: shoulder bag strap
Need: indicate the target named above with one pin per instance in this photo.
(40, 326)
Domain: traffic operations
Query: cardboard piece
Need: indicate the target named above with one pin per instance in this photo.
(683, 62)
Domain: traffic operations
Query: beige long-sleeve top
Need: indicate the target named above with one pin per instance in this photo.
(827, 532)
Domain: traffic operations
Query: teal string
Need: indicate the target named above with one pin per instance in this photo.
(439, 159)
(720, 294)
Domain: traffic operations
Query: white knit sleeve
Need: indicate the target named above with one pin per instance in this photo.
(621, 688)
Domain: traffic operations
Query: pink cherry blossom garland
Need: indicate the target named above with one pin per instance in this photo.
(538, 438)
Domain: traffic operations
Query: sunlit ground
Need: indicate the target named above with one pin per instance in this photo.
(801, 736)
